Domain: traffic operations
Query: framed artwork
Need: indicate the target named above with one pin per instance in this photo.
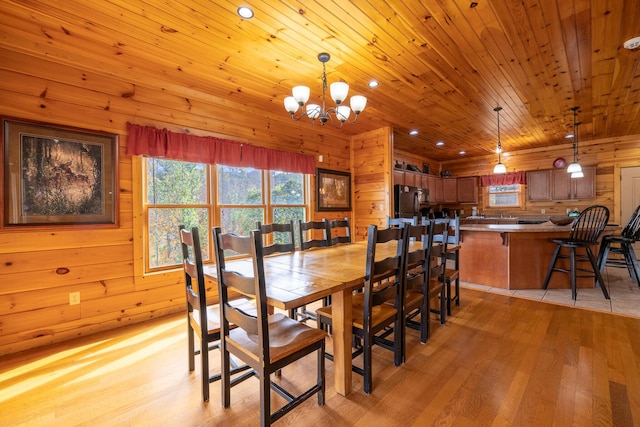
(333, 190)
(58, 176)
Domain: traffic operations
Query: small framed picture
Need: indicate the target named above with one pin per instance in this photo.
(333, 190)
(58, 176)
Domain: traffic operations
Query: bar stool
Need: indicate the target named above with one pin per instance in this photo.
(584, 234)
(621, 244)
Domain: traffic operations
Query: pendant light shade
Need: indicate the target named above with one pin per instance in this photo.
(574, 168)
(499, 168)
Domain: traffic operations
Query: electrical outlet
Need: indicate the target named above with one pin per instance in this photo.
(542, 211)
(74, 298)
(381, 206)
(320, 158)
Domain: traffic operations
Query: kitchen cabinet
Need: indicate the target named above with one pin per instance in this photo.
(405, 177)
(539, 185)
(435, 189)
(467, 189)
(566, 188)
(557, 184)
(450, 190)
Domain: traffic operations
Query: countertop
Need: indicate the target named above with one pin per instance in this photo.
(545, 227)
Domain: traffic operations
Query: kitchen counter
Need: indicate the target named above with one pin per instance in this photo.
(514, 256)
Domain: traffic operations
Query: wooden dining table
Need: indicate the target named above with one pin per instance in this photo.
(302, 277)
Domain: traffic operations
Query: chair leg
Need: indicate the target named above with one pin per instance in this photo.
(320, 378)
(368, 371)
(192, 347)
(573, 272)
(599, 278)
(204, 362)
(554, 259)
(443, 305)
(225, 380)
(634, 263)
(603, 254)
(265, 399)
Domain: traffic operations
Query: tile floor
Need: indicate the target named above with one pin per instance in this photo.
(625, 295)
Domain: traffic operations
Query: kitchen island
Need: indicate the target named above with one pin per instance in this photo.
(514, 256)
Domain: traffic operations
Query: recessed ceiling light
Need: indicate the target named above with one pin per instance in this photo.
(413, 132)
(632, 43)
(373, 83)
(462, 153)
(439, 144)
(569, 136)
(245, 12)
(473, 4)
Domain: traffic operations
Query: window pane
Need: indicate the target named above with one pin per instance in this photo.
(164, 241)
(239, 186)
(240, 220)
(174, 182)
(286, 188)
(283, 215)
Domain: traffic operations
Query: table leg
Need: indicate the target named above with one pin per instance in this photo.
(341, 333)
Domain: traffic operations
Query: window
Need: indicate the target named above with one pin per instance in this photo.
(185, 193)
(504, 195)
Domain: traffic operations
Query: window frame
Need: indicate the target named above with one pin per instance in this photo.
(214, 207)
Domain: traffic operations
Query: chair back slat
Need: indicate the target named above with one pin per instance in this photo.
(308, 228)
(590, 224)
(342, 228)
(278, 232)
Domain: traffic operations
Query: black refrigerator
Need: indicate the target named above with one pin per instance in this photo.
(407, 200)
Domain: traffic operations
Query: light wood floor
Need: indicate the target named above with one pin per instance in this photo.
(500, 361)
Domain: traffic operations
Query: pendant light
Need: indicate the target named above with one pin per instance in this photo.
(574, 168)
(499, 168)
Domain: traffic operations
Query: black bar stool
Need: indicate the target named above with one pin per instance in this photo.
(584, 234)
(621, 244)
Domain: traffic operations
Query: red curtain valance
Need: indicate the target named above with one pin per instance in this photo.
(503, 179)
(150, 141)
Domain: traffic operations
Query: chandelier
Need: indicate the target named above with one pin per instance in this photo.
(499, 168)
(338, 91)
(574, 168)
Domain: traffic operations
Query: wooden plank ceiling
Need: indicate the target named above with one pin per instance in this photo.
(442, 65)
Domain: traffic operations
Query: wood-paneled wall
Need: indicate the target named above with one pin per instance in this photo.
(372, 170)
(40, 267)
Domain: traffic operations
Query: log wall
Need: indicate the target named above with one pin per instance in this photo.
(40, 267)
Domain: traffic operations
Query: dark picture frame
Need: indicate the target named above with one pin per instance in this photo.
(58, 176)
(333, 190)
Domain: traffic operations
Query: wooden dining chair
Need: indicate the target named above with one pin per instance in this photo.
(452, 269)
(374, 320)
(267, 343)
(338, 231)
(423, 263)
(203, 319)
(281, 235)
(622, 245)
(584, 234)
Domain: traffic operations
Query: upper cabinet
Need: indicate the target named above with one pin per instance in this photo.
(468, 189)
(436, 192)
(557, 184)
(539, 185)
(450, 189)
(567, 188)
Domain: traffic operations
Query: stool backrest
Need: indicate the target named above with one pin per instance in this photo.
(590, 224)
(632, 229)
